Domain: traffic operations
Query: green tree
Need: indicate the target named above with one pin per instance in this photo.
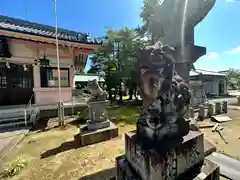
(233, 77)
(115, 59)
(149, 28)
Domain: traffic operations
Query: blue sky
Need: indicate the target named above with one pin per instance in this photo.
(219, 31)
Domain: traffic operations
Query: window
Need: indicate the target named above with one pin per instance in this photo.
(49, 77)
(3, 82)
(4, 49)
(15, 77)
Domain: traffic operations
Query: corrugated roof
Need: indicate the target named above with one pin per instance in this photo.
(192, 73)
(205, 72)
(27, 27)
(87, 77)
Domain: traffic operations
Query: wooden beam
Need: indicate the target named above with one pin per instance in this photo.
(71, 51)
(49, 40)
(83, 51)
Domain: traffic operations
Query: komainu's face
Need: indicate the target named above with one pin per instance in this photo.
(159, 69)
(151, 83)
(92, 85)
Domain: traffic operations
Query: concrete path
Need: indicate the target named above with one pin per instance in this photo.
(230, 100)
(10, 138)
(234, 107)
(234, 92)
(229, 167)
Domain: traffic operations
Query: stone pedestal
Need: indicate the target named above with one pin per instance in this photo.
(207, 171)
(97, 125)
(170, 159)
(97, 115)
(87, 137)
(98, 128)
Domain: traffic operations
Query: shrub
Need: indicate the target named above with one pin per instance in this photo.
(15, 167)
(82, 116)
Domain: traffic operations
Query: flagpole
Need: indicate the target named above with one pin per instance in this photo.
(58, 62)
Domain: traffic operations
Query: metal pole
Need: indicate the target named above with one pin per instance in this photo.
(58, 62)
(25, 117)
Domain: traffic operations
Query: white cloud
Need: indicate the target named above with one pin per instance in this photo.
(233, 51)
(229, 0)
(212, 55)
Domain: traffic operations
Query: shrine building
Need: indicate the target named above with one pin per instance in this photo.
(28, 61)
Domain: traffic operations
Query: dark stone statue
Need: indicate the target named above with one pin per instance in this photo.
(165, 145)
(165, 95)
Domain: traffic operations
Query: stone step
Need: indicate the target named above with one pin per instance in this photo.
(7, 111)
(15, 124)
(13, 115)
(11, 119)
(229, 167)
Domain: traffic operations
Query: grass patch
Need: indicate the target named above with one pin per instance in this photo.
(126, 114)
(82, 115)
(14, 167)
(68, 162)
(116, 113)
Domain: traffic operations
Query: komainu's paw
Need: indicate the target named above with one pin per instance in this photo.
(193, 125)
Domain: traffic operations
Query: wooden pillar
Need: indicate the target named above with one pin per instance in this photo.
(36, 76)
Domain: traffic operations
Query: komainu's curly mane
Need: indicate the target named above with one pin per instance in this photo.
(97, 93)
(165, 95)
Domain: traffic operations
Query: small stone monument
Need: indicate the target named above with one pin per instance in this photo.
(225, 107)
(201, 113)
(98, 127)
(217, 108)
(210, 110)
(163, 147)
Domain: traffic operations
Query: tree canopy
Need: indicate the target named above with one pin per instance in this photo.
(233, 76)
(115, 59)
(149, 27)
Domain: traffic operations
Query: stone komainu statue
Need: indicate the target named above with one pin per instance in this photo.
(165, 95)
(97, 93)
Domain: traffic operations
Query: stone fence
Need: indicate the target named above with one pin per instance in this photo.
(211, 110)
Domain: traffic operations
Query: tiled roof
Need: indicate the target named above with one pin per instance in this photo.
(26, 27)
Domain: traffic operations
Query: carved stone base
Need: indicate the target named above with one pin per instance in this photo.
(92, 125)
(168, 158)
(87, 137)
(207, 171)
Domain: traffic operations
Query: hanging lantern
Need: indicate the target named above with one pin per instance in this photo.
(36, 62)
(25, 67)
(44, 62)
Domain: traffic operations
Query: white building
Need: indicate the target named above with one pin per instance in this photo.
(214, 83)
